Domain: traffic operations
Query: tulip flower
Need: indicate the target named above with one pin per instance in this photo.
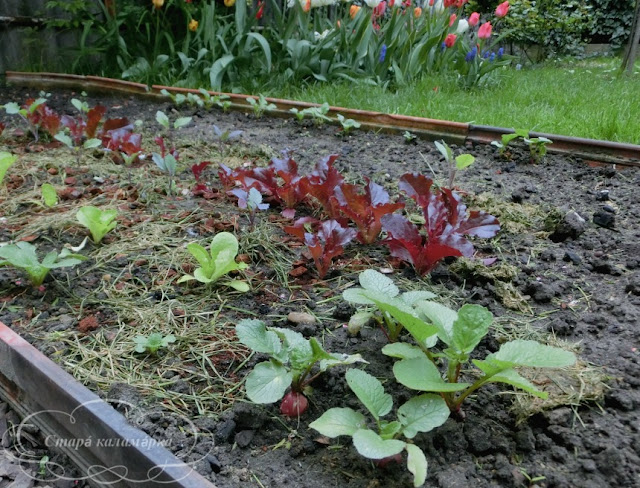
(452, 19)
(484, 32)
(307, 6)
(260, 11)
(229, 3)
(463, 26)
(502, 9)
(193, 25)
(450, 40)
(353, 11)
(417, 12)
(379, 10)
(474, 18)
(157, 3)
(372, 3)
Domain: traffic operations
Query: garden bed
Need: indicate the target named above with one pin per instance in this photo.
(580, 290)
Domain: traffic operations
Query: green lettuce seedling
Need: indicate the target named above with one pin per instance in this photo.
(49, 195)
(291, 364)
(98, 221)
(537, 147)
(420, 414)
(507, 138)
(461, 332)
(347, 124)
(152, 343)
(453, 165)
(220, 260)
(6, 160)
(23, 255)
(379, 291)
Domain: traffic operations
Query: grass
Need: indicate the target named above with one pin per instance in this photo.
(582, 98)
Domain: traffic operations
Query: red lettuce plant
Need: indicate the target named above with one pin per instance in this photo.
(327, 243)
(447, 223)
(365, 210)
(321, 184)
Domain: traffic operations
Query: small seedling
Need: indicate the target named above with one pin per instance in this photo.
(26, 113)
(420, 414)
(217, 262)
(292, 359)
(152, 343)
(317, 114)
(163, 120)
(177, 98)
(250, 200)
(347, 124)
(42, 467)
(6, 160)
(507, 138)
(167, 161)
(409, 138)
(225, 136)
(99, 222)
(209, 101)
(453, 164)
(537, 148)
(260, 106)
(23, 255)
(93, 143)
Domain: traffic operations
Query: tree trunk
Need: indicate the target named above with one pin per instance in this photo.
(632, 48)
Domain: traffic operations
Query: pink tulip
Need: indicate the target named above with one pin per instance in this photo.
(484, 32)
(452, 19)
(474, 18)
(502, 9)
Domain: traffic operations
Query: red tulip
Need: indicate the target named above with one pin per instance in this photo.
(260, 12)
(474, 18)
(484, 32)
(452, 19)
(450, 40)
(502, 9)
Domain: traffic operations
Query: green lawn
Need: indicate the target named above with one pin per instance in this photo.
(577, 98)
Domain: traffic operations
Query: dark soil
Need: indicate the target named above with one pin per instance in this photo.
(571, 233)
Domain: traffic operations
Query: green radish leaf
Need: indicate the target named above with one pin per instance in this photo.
(370, 392)
(421, 374)
(441, 317)
(402, 350)
(413, 297)
(464, 160)
(533, 354)
(339, 421)
(268, 382)
(92, 143)
(162, 119)
(471, 326)
(422, 414)
(417, 464)
(238, 285)
(511, 377)
(181, 122)
(6, 160)
(374, 281)
(418, 328)
(372, 446)
(254, 334)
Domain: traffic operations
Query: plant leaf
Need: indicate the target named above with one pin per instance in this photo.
(49, 195)
(533, 354)
(470, 327)
(422, 414)
(370, 392)
(268, 382)
(402, 350)
(254, 334)
(372, 280)
(339, 421)
(417, 464)
(421, 374)
(372, 446)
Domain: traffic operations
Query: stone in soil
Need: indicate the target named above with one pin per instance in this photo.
(571, 226)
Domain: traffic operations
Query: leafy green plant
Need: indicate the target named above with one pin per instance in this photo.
(409, 138)
(461, 332)
(292, 360)
(251, 201)
(224, 136)
(217, 262)
(77, 150)
(98, 221)
(453, 165)
(152, 343)
(49, 195)
(260, 106)
(317, 114)
(6, 160)
(378, 291)
(422, 413)
(164, 121)
(23, 255)
(508, 138)
(347, 124)
(538, 148)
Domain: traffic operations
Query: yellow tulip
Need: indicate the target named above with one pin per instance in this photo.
(229, 3)
(353, 11)
(157, 3)
(193, 25)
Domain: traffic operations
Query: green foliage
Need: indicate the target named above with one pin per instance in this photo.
(537, 147)
(25, 113)
(396, 309)
(152, 343)
(292, 359)
(23, 255)
(6, 160)
(452, 164)
(347, 124)
(422, 413)
(612, 20)
(49, 195)
(260, 106)
(98, 221)
(217, 262)
(317, 114)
